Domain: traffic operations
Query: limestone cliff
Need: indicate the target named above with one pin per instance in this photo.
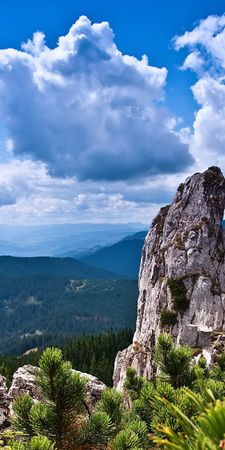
(182, 274)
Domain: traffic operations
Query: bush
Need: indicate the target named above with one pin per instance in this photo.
(111, 403)
(173, 362)
(133, 383)
(205, 431)
(64, 401)
(179, 294)
(176, 408)
(168, 317)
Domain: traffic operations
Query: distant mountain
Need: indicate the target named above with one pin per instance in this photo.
(57, 267)
(60, 239)
(122, 257)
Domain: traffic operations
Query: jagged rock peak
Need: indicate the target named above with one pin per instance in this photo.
(182, 274)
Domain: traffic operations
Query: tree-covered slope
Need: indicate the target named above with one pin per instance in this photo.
(94, 354)
(122, 257)
(35, 307)
(63, 267)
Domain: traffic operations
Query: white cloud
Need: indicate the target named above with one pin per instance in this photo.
(87, 110)
(206, 43)
(28, 194)
(84, 133)
(193, 62)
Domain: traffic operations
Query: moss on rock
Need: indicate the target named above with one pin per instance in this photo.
(179, 294)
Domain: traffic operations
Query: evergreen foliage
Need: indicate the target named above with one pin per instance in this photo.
(12, 441)
(181, 408)
(90, 354)
(44, 310)
(133, 383)
(179, 294)
(111, 403)
(64, 394)
(173, 362)
(64, 417)
(168, 318)
(206, 431)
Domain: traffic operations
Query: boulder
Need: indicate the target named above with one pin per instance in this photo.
(24, 382)
(95, 387)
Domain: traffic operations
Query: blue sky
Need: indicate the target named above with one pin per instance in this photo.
(87, 133)
(140, 27)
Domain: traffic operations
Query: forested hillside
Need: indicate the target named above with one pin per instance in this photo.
(123, 257)
(33, 308)
(94, 354)
(44, 265)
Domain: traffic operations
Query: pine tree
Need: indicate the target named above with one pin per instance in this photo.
(173, 362)
(63, 416)
(64, 400)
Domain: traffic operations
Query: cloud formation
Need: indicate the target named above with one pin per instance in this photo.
(86, 110)
(206, 46)
(28, 194)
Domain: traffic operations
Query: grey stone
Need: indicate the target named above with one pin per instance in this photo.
(4, 403)
(24, 382)
(189, 335)
(186, 241)
(204, 338)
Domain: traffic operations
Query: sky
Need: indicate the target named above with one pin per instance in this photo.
(105, 107)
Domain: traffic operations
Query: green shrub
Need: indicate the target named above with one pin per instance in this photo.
(221, 362)
(168, 317)
(127, 440)
(111, 403)
(205, 431)
(179, 294)
(174, 363)
(133, 383)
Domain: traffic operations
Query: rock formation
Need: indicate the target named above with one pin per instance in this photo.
(95, 387)
(182, 274)
(24, 382)
(4, 403)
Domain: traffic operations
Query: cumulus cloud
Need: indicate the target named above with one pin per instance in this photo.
(86, 110)
(28, 194)
(193, 62)
(206, 45)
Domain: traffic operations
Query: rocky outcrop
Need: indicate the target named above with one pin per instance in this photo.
(23, 382)
(4, 403)
(182, 274)
(95, 387)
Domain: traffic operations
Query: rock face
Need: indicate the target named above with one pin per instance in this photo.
(95, 387)
(183, 271)
(24, 382)
(4, 403)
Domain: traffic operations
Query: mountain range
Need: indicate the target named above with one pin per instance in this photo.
(61, 239)
(123, 257)
(42, 297)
